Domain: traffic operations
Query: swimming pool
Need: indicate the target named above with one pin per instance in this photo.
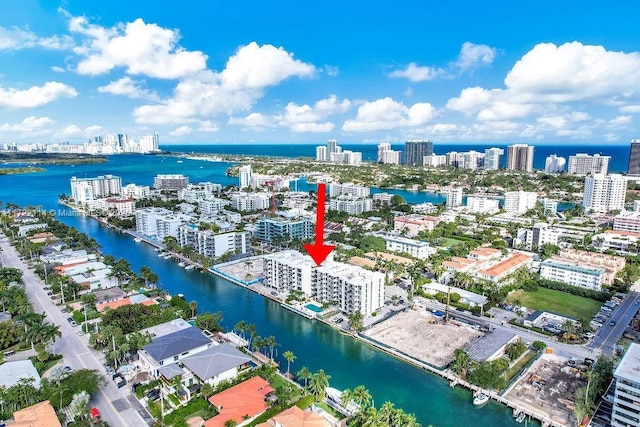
(313, 308)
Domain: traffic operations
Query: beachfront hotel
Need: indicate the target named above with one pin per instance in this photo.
(351, 288)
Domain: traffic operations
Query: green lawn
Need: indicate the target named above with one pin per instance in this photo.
(449, 242)
(521, 363)
(558, 302)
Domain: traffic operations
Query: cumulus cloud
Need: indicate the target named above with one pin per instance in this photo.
(16, 38)
(141, 48)
(128, 87)
(386, 114)
(247, 74)
(417, 73)
(74, 131)
(549, 76)
(253, 120)
(256, 67)
(58, 69)
(35, 96)
(181, 131)
(471, 56)
(29, 124)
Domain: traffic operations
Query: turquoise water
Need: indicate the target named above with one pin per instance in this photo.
(314, 308)
(316, 345)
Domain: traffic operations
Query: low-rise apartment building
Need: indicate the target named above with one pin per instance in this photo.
(411, 225)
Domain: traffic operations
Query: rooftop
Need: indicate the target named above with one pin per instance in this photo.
(490, 344)
(506, 265)
(296, 417)
(629, 366)
(246, 398)
(12, 372)
(215, 360)
(575, 267)
(39, 415)
(176, 343)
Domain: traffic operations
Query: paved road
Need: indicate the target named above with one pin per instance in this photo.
(607, 337)
(113, 403)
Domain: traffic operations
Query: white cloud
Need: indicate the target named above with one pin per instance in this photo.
(243, 81)
(332, 70)
(474, 55)
(386, 114)
(417, 73)
(549, 76)
(35, 96)
(74, 131)
(58, 69)
(29, 124)
(181, 131)
(208, 126)
(128, 87)
(574, 71)
(15, 38)
(143, 49)
(630, 109)
(70, 131)
(257, 67)
(312, 127)
(621, 121)
(257, 120)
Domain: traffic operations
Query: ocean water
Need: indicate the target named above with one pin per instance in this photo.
(619, 153)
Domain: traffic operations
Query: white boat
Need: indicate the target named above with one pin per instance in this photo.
(480, 398)
(190, 267)
(161, 254)
(521, 417)
(182, 264)
(137, 240)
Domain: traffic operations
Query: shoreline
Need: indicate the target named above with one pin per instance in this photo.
(445, 374)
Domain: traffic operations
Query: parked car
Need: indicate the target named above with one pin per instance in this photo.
(153, 394)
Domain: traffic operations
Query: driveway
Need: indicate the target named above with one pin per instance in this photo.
(73, 348)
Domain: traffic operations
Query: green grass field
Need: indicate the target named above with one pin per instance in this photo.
(449, 242)
(558, 302)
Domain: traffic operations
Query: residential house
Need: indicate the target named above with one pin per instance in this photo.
(241, 403)
(39, 415)
(296, 417)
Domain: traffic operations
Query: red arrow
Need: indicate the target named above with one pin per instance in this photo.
(319, 251)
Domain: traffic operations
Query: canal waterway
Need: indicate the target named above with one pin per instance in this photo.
(317, 346)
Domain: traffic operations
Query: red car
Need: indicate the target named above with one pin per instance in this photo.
(94, 413)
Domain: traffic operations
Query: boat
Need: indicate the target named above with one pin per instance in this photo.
(137, 240)
(182, 264)
(480, 398)
(161, 254)
(190, 267)
(521, 417)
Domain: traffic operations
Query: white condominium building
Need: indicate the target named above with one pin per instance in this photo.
(554, 164)
(211, 205)
(415, 248)
(482, 205)
(211, 244)
(352, 205)
(603, 193)
(244, 176)
(518, 202)
(247, 202)
(584, 164)
(86, 189)
(136, 191)
(352, 288)
(388, 156)
(321, 153)
(454, 197)
(348, 189)
(434, 161)
(573, 274)
(626, 400)
(146, 220)
(493, 158)
(627, 221)
(170, 181)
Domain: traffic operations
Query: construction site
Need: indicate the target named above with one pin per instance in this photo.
(408, 331)
(549, 387)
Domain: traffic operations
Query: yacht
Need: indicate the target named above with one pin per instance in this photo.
(190, 267)
(480, 398)
(182, 264)
(521, 417)
(137, 240)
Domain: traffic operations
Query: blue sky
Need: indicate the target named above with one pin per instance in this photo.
(301, 72)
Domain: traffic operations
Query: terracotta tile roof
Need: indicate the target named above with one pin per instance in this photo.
(506, 265)
(296, 417)
(39, 415)
(246, 398)
(62, 268)
(113, 304)
(485, 251)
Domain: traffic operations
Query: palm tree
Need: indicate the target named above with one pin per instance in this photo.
(193, 306)
(50, 332)
(362, 396)
(304, 374)
(461, 362)
(318, 384)
(290, 357)
(386, 413)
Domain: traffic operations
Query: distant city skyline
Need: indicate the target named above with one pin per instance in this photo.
(256, 72)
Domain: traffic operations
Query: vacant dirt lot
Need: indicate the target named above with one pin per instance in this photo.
(419, 334)
(549, 387)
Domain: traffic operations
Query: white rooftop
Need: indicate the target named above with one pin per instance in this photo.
(629, 367)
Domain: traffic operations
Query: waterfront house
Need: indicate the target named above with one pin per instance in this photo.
(173, 347)
(241, 403)
(296, 417)
(216, 364)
